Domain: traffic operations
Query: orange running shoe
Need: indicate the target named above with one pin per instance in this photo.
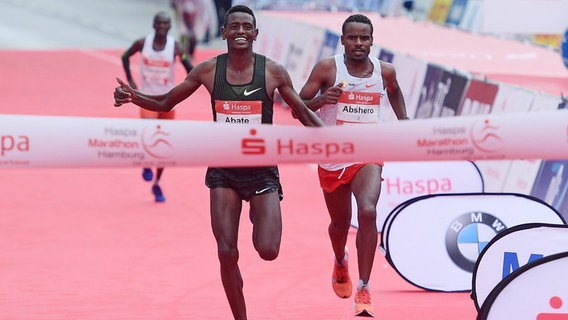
(363, 306)
(340, 280)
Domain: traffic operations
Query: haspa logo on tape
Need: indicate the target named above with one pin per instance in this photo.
(405, 180)
(13, 143)
(434, 241)
(485, 136)
(294, 147)
(155, 141)
(253, 146)
(482, 135)
(142, 143)
(512, 249)
(536, 290)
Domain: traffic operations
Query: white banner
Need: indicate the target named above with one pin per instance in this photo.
(434, 241)
(297, 45)
(403, 181)
(512, 99)
(410, 72)
(510, 250)
(525, 16)
(49, 141)
(535, 291)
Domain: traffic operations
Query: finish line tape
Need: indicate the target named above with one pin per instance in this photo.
(67, 142)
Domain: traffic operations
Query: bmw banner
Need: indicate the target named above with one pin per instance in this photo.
(405, 180)
(434, 241)
(512, 248)
(537, 290)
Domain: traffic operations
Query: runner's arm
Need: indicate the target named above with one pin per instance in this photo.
(135, 47)
(394, 93)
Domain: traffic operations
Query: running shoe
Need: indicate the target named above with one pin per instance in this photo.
(147, 174)
(157, 191)
(363, 306)
(251, 216)
(340, 280)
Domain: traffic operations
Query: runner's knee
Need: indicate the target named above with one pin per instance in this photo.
(340, 224)
(228, 256)
(367, 214)
(267, 251)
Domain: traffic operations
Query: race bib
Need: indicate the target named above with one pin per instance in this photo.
(358, 107)
(157, 71)
(245, 112)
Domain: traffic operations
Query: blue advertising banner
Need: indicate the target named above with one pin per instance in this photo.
(456, 12)
(386, 55)
(329, 45)
(564, 49)
(425, 107)
(451, 90)
(551, 184)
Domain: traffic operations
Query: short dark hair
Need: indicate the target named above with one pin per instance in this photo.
(161, 14)
(239, 8)
(357, 18)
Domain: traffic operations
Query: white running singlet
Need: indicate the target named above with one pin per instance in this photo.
(358, 104)
(157, 67)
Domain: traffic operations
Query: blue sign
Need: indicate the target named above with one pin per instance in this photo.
(564, 49)
(456, 12)
(329, 45)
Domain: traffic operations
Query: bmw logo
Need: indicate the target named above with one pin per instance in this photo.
(468, 234)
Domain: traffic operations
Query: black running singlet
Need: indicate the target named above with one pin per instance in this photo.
(241, 104)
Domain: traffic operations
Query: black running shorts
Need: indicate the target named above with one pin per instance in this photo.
(246, 181)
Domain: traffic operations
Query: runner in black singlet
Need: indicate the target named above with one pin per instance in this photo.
(248, 181)
(239, 80)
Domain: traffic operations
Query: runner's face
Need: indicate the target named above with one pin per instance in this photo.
(162, 25)
(240, 31)
(357, 40)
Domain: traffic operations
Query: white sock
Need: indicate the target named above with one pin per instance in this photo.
(342, 262)
(361, 284)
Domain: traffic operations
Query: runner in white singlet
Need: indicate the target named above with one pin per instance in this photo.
(158, 52)
(351, 87)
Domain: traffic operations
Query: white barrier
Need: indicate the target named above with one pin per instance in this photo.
(405, 180)
(535, 291)
(434, 241)
(49, 141)
(511, 249)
